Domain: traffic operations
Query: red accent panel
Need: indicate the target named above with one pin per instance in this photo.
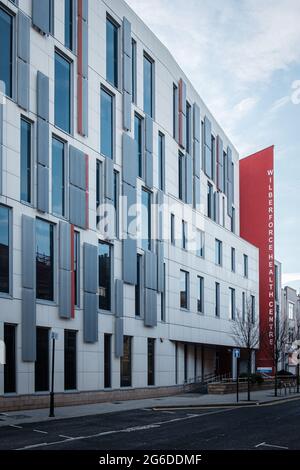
(87, 191)
(257, 227)
(79, 69)
(72, 274)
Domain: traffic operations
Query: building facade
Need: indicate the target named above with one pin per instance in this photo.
(98, 118)
(290, 301)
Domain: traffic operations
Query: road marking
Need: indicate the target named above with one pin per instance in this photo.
(42, 432)
(15, 426)
(264, 444)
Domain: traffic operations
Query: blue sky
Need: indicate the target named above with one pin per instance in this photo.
(243, 57)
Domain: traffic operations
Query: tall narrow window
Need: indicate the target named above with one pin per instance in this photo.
(213, 157)
(146, 220)
(210, 200)
(163, 296)
(58, 177)
(116, 202)
(112, 52)
(161, 161)
(133, 69)
(104, 275)
(218, 252)
(69, 24)
(217, 300)
(184, 235)
(76, 268)
(10, 358)
(25, 157)
(188, 128)
(107, 125)
(243, 306)
(138, 137)
(62, 96)
(70, 360)
(148, 85)
(200, 242)
(138, 286)
(4, 249)
(184, 276)
(231, 303)
(151, 361)
(107, 360)
(99, 187)
(6, 51)
(200, 295)
(180, 176)
(233, 259)
(245, 266)
(125, 363)
(44, 260)
(175, 110)
(172, 222)
(252, 309)
(233, 220)
(185, 359)
(41, 371)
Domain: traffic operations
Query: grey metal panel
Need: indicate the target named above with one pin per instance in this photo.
(129, 250)
(183, 130)
(43, 188)
(41, 15)
(130, 200)
(119, 337)
(197, 158)
(225, 178)
(119, 293)
(127, 99)
(90, 318)
(176, 111)
(207, 161)
(85, 10)
(64, 245)
(42, 96)
(207, 132)
(28, 325)
(65, 295)
(148, 133)
(77, 167)
(216, 207)
(220, 174)
(129, 152)
(90, 266)
(196, 122)
(42, 142)
(197, 190)
(150, 314)
(28, 252)
(85, 106)
(188, 179)
(160, 202)
(160, 266)
(109, 178)
(23, 45)
(126, 37)
(127, 74)
(1, 144)
(23, 84)
(85, 49)
(229, 164)
(229, 198)
(149, 169)
(183, 97)
(77, 206)
(150, 270)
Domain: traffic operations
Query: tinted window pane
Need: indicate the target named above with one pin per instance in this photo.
(138, 287)
(42, 360)
(4, 249)
(58, 177)
(148, 86)
(76, 267)
(146, 220)
(6, 23)
(25, 160)
(112, 53)
(107, 360)
(133, 71)
(62, 93)
(69, 24)
(151, 361)
(126, 363)
(10, 358)
(104, 260)
(161, 162)
(106, 124)
(70, 369)
(139, 142)
(44, 260)
(183, 289)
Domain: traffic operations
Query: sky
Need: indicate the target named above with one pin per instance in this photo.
(243, 58)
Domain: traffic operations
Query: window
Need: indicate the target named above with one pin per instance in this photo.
(213, 157)
(210, 200)
(188, 128)
(116, 202)
(184, 235)
(99, 188)
(125, 363)
(138, 286)
(232, 221)
(184, 276)
(162, 297)
(151, 361)
(146, 220)
(133, 69)
(4, 249)
(233, 259)
(172, 229)
(76, 268)
(200, 236)
(217, 299)
(70, 360)
(185, 359)
(104, 275)
(245, 266)
(6, 51)
(112, 52)
(252, 309)
(10, 358)
(200, 296)
(291, 310)
(41, 370)
(180, 176)
(58, 177)
(231, 303)
(225, 171)
(107, 360)
(107, 125)
(175, 109)
(223, 211)
(25, 157)
(44, 260)
(243, 306)
(69, 24)
(148, 85)
(138, 137)
(62, 98)
(161, 161)
(218, 252)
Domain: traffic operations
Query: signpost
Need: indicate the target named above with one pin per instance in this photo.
(54, 336)
(237, 354)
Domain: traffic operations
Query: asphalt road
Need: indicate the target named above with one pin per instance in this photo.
(270, 427)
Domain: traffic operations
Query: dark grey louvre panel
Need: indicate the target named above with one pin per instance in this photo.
(43, 188)
(90, 263)
(119, 337)
(28, 252)
(160, 266)
(85, 10)
(160, 202)
(119, 293)
(90, 318)
(129, 160)
(65, 305)
(149, 133)
(64, 246)
(126, 111)
(207, 161)
(41, 15)
(183, 130)
(85, 49)
(77, 168)
(229, 198)
(229, 164)
(176, 111)
(77, 206)
(23, 84)
(188, 179)
(23, 45)
(150, 313)
(28, 325)
(109, 178)
(207, 132)
(127, 74)
(42, 142)
(197, 158)
(196, 122)
(197, 192)
(129, 202)
(150, 270)
(85, 105)
(225, 177)
(126, 37)
(149, 169)
(220, 173)
(42, 96)
(129, 250)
